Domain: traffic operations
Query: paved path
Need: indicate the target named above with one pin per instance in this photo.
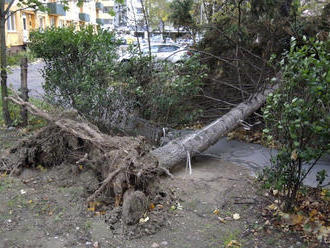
(35, 79)
(257, 157)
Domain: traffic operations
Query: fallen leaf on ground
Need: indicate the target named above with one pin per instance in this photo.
(236, 216)
(216, 211)
(92, 205)
(275, 192)
(297, 219)
(233, 244)
(144, 220)
(222, 220)
(272, 207)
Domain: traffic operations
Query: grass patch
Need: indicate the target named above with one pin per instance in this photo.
(230, 239)
(34, 121)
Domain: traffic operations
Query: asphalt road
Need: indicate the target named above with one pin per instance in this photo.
(35, 79)
(256, 157)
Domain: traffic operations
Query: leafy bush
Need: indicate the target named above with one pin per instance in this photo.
(82, 71)
(79, 65)
(297, 116)
(165, 91)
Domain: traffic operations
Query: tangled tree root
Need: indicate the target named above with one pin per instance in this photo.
(121, 162)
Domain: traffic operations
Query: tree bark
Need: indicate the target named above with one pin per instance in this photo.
(177, 150)
(3, 66)
(146, 20)
(24, 90)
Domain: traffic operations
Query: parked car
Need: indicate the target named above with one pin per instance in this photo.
(163, 52)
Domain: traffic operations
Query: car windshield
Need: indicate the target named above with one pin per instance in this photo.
(168, 49)
(161, 49)
(154, 49)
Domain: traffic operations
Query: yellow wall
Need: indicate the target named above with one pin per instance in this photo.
(15, 38)
(33, 22)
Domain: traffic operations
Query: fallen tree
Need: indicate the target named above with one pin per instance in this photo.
(123, 163)
(177, 151)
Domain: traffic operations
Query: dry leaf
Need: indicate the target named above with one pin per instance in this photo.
(294, 155)
(234, 243)
(297, 219)
(216, 211)
(312, 213)
(92, 205)
(236, 216)
(144, 220)
(272, 207)
(222, 220)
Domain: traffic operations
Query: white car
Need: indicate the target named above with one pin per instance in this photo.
(163, 52)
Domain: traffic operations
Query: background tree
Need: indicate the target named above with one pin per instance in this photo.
(182, 16)
(159, 14)
(5, 13)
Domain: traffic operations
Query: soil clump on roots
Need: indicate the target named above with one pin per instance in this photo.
(125, 172)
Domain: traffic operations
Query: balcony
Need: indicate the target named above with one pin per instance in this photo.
(84, 17)
(99, 6)
(56, 9)
(100, 21)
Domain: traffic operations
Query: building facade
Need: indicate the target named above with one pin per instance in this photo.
(21, 23)
(129, 16)
(108, 14)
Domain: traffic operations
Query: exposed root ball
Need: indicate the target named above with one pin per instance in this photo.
(121, 162)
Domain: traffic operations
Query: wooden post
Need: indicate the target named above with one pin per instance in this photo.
(24, 90)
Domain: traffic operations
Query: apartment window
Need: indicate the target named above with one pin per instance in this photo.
(41, 23)
(61, 23)
(11, 24)
(52, 21)
(24, 23)
(107, 9)
(108, 21)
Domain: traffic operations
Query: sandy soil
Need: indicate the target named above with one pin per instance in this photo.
(46, 207)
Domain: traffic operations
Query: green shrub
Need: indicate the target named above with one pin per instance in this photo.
(82, 71)
(79, 66)
(297, 116)
(165, 91)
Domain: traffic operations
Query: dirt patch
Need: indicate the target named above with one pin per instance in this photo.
(46, 207)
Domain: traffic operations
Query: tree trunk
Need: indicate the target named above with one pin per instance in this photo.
(3, 67)
(177, 150)
(24, 90)
(146, 20)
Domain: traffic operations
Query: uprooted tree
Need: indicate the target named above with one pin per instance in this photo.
(126, 164)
